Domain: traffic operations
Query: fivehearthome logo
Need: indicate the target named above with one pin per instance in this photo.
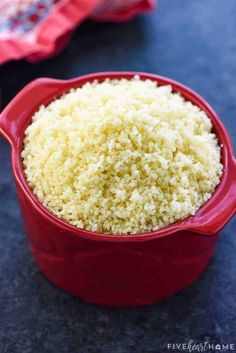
(192, 347)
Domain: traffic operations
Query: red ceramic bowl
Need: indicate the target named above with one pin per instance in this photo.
(114, 270)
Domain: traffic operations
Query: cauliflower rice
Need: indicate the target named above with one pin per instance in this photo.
(121, 156)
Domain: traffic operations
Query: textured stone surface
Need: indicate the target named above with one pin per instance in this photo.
(193, 42)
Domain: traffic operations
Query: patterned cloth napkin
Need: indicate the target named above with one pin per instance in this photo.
(37, 29)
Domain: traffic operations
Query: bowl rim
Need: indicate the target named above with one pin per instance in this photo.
(186, 224)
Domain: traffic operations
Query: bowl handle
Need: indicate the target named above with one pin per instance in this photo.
(25, 102)
(212, 217)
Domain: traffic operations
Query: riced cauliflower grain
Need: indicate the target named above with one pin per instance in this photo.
(121, 156)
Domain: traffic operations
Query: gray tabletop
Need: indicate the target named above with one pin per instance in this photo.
(193, 41)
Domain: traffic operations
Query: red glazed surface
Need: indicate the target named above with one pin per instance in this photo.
(116, 270)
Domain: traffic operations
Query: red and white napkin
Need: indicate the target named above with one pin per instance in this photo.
(37, 29)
